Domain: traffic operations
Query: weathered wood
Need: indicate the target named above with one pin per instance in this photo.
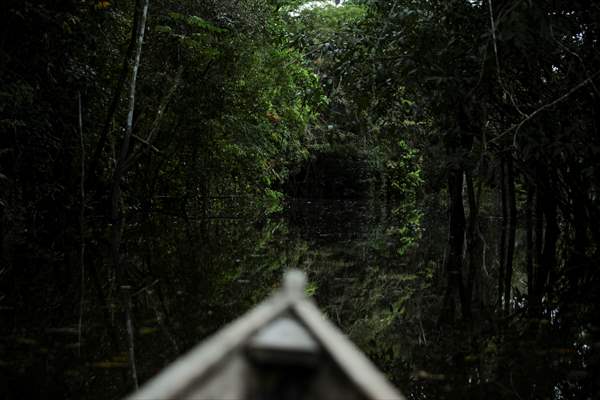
(284, 341)
(359, 369)
(283, 348)
(188, 371)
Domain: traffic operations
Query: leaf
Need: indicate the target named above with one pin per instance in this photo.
(102, 5)
(175, 16)
(145, 330)
(163, 29)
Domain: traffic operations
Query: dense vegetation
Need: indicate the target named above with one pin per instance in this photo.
(161, 163)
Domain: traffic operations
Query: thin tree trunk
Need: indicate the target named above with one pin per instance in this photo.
(548, 262)
(546, 239)
(538, 282)
(116, 198)
(157, 121)
(512, 227)
(81, 226)
(112, 109)
(529, 245)
(576, 268)
(503, 234)
(455, 289)
(130, 332)
(473, 250)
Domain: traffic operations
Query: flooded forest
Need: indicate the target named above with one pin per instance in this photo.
(433, 166)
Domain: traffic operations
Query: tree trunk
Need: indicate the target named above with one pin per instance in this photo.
(81, 226)
(546, 237)
(130, 335)
(112, 109)
(538, 240)
(512, 227)
(529, 245)
(116, 198)
(474, 248)
(548, 261)
(455, 293)
(577, 264)
(120, 169)
(503, 235)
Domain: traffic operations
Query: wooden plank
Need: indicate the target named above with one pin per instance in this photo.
(181, 377)
(284, 334)
(359, 369)
(218, 366)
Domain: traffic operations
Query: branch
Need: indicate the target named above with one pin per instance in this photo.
(548, 105)
(107, 124)
(116, 195)
(164, 104)
(130, 332)
(132, 89)
(528, 117)
(144, 141)
(493, 28)
(157, 120)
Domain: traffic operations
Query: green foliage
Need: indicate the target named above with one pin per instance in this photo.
(220, 147)
(273, 200)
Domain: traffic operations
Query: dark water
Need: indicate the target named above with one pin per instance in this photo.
(372, 272)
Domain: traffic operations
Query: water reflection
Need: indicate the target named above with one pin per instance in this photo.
(367, 272)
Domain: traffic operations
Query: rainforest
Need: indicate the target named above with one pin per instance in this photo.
(432, 165)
